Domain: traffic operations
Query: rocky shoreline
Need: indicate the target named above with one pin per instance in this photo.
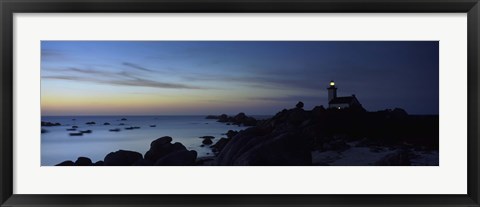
(298, 137)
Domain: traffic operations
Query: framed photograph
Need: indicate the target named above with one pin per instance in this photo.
(239, 103)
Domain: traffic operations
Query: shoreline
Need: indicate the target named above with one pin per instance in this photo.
(298, 137)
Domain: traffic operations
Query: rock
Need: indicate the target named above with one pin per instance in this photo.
(48, 124)
(207, 141)
(106, 123)
(207, 137)
(259, 147)
(121, 158)
(66, 163)
(399, 113)
(83, 161)
(162, 147)
(297, 116)
(98, 163)
(178, 158)
(299, 105)
(337, 145)
(90, 123)
(143, 162)
(218, 147)
(161, 141)
(231, 133)
(398, 158)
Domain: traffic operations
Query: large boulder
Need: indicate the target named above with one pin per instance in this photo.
(231, 133)
(254, 146)
(83, 161)
(121, 158)
(218, 147)
(162, 147)
(178, 158)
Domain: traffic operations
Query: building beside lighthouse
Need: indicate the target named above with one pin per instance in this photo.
(335, 102)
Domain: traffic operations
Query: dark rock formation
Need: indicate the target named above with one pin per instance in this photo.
(257, 146)
(98, 163)
(218, 147)
(90, 123)
(49, 124)
(207, 141)
(162, 147)
(231, 133)
(299, 105)
(212, 117)
(207, 137)
(121, 158)
(178, 158)
(83, 161)
(240, 119)
(66, 163)
(106, 123)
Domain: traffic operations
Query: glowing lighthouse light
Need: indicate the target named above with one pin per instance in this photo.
(332, 83)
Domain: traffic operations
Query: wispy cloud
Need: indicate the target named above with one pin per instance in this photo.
(121, 78)
(290, 98)
(135, 66)
(260, 81)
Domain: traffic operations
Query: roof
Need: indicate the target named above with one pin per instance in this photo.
(342, 100)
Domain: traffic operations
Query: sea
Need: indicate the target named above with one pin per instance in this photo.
(57, 145)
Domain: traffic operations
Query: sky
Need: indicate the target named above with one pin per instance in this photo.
(215, 77)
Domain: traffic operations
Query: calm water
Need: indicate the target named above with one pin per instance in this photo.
(57, 145)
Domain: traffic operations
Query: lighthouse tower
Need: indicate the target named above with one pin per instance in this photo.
(332, 91)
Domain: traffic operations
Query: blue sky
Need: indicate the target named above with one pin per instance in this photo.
(255, 77)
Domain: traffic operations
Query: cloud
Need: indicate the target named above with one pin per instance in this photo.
(289, 98)
(50, 54)
(121, 78)
(262, 81)
(135, 66)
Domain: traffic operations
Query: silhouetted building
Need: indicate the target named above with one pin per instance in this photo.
(340, 102)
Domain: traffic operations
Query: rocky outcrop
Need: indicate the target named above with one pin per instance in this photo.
(163, 152)
(121, 158)
(260, 147)
(240, 119)
(66, 163)
(83, 161)
(207, 141)
(178, 158)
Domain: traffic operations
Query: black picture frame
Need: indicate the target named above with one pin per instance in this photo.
(10, 7)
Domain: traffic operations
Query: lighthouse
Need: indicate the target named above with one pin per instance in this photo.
(332, 91)
(336, 102)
